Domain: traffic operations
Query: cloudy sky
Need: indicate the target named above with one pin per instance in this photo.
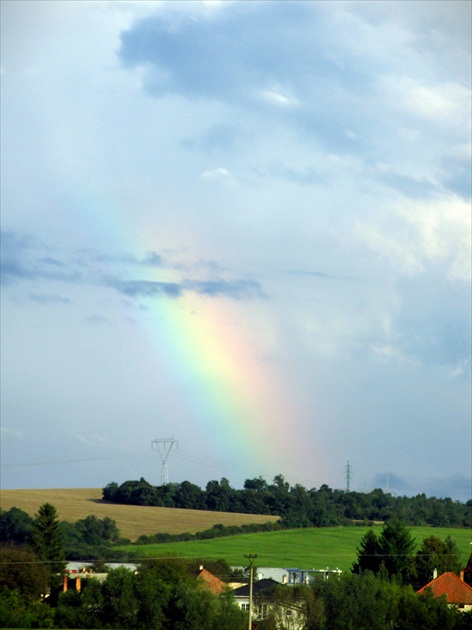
(241, 225)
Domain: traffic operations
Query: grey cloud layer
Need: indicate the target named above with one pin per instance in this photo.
(22, 259)
(354, 79)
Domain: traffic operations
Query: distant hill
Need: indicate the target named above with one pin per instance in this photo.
(133, 521)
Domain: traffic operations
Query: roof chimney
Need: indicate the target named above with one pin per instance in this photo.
(461, 575)
(201, 567)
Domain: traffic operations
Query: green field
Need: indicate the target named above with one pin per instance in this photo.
(333, 547)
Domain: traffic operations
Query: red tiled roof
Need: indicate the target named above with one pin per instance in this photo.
(456, 590)
(213, 583)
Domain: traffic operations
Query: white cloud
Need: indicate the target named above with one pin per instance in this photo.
(219, 174)
(417, 233)
(445, 102)
(277, 98)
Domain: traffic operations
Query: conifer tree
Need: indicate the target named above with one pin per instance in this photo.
(368, 558)
(48, 540)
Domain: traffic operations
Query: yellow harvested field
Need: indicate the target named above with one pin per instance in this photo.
(132, 520)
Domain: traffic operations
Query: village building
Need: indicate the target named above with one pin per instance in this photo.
(457, 592)
(289, 615)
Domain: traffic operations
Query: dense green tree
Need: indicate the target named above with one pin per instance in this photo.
(367, 602)
(170, 570)
(357, 602)
(252, 501)
(97, 531)
(110, 491)
(80, 609)
(258, 483)
(47, 538)
(152, 595)
(90, 538)
(301, 506)
(135, 492)
(391, 553)
(191, 607)
(120, 602)
(16, 526)
(16, 612)
(434, 553)
(21, 570)
(189, 496)
(396, 547)
(381, 505)
(368, 554)
(321, 513)
(227, 614)
(426, 612)
(296, 505)
(219, 495)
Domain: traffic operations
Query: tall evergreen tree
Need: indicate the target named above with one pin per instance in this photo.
(368, 554)
(47, 538)
(396, 547)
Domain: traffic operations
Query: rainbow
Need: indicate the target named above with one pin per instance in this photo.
(227, 386)
(227, 389)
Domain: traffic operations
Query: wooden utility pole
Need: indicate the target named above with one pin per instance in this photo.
(251, 577)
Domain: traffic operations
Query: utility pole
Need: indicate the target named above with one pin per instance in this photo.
(348, 476)
(251, 576)
(164, 447)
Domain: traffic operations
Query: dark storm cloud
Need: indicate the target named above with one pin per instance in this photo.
(24, 260)
(205, 57)
(235, 289)
(270, 70)
(320, 71)
(145, 288)
(231, 288)
(152, 259)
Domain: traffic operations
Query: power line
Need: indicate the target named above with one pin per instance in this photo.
(164, 447)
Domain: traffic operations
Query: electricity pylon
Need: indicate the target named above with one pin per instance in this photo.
(164, 447)
(348, 476)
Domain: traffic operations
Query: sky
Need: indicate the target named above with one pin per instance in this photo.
(241, 226)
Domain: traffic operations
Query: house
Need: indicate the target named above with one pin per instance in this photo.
(458, 593)
(308, 576)
(214, 584)
(288, 614)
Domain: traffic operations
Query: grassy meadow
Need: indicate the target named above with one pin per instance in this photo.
(333, 547)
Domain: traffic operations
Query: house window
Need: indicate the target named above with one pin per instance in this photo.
(263, 611)
(245, 607)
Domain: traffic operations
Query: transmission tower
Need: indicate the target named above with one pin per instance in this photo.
(164, 447)
(348, 470)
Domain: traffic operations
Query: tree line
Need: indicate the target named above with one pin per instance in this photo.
(296, 505)
(391, 552)
(90, 538)
(163, 593)
(166, 596)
